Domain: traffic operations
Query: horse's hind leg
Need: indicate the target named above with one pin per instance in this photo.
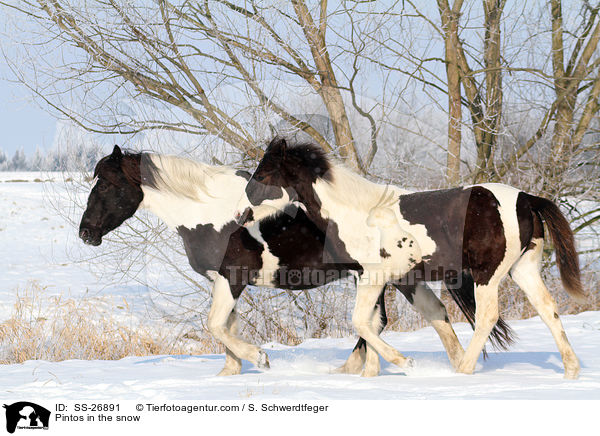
(356, 361)
(486, 316)
(526, 272)
(233, 364)
(220, 310)
(433, 310)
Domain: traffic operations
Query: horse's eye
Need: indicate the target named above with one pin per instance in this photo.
(259, 178)
(102, 188)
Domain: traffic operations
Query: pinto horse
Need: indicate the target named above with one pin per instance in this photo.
(470, 237)
(285, 251)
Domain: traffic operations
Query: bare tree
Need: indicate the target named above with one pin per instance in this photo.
(176, 54)
(423, 95)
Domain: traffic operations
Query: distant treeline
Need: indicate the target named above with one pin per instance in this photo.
(82, 158)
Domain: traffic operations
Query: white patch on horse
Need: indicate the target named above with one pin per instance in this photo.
(419, 234)
(264, 210)
(270, 263)
(191, 193)
(368, 219)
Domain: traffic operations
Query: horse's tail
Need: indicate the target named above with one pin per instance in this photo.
(502, 336)
(564, 244)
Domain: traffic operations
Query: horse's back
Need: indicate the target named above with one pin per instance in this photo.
(471, 226)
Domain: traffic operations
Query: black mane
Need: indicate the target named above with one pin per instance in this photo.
(130, 163)
(304, 158)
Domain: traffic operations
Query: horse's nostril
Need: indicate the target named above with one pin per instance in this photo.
(84, 234)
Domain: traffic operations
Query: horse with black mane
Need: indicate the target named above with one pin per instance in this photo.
(469, 237)
(286, 250)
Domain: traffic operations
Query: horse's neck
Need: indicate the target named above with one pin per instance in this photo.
(349, 193)
(216, 206)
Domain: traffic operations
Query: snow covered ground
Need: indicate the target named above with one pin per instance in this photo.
(532, 369)
(38, 245)
(35, 241)
(35, 244)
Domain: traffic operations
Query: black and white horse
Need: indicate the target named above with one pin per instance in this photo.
(285, 251)
(467, 237)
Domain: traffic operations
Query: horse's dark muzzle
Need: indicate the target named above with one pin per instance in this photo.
(88, 237)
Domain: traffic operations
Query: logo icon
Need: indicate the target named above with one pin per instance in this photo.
(26, 415)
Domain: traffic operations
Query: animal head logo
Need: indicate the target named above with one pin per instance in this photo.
(26, 415)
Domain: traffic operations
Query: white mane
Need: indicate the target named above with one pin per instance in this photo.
(184, 177)
(347, 187)
(186, 193)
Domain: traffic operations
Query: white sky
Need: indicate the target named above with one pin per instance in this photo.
(23, 124)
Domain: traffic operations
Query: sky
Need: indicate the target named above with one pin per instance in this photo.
(23, 123)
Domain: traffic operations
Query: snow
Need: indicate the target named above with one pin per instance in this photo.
(36, 243)
(531, 369)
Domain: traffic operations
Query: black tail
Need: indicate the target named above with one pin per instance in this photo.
(564, 244)
(502, 336)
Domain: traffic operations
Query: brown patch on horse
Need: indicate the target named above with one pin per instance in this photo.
(484, 240)
(130, 165)
(307, 258)
(525, 221)
(442, 212)
(466, 227)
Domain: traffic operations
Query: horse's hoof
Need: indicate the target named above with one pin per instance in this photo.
(263, 360)
(346, 370)
(349, 368)
(410, 363)
(370, 373)
(340, 370)
(572, 374)
(464, 369)
(229, 371)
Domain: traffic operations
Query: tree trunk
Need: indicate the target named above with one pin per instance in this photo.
(450, 19)
(329, 89)
(490, 125)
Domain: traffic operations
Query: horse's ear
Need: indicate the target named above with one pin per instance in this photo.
(117, 153)
(277, 147)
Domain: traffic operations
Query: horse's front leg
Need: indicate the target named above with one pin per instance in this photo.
(220, 311)
(362, 319)
(356, 361)
(364, 360)
(233, 364)
(378, 323)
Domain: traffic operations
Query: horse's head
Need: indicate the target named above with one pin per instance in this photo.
(284, 175)
(115, 196)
